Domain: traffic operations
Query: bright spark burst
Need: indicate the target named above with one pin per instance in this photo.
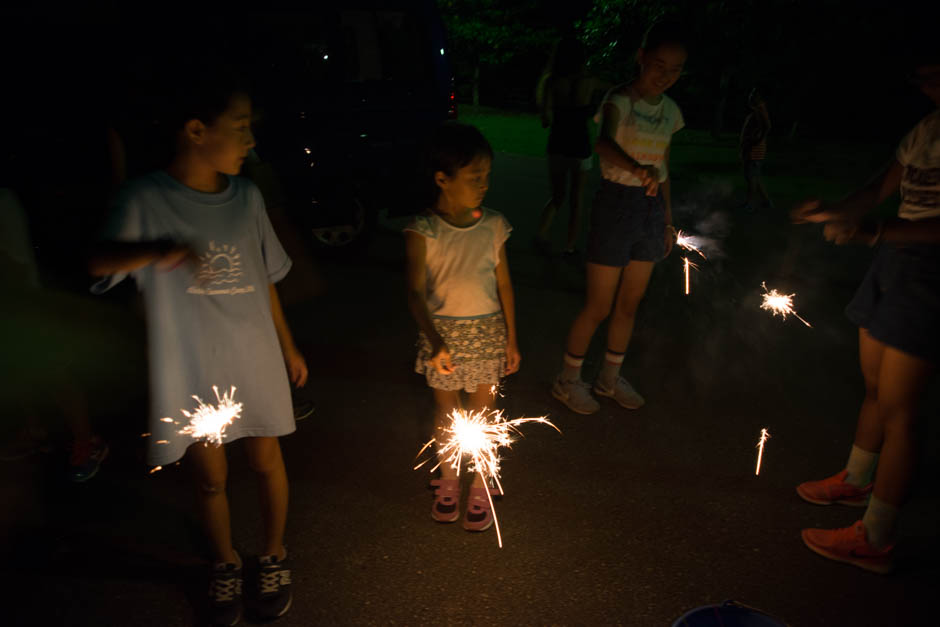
(690, 242)
(687, 264)
(780, 304)
(478, 436)
(208, 422)
(760, 448)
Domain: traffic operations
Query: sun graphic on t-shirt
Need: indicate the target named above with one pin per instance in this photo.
(220, 264)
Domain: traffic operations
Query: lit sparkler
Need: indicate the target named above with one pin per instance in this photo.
(760, 448)
(780, 304)
(208, 422)
(687, 264)
(690, 242)
(478, 436)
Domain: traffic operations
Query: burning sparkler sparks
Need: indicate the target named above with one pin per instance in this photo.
(780, 304)
(207, 422)
(687, 264)
(690, 242)
(760, 448)
(478, 436)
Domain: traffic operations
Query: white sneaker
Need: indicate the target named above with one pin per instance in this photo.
(576, 395)
(622, 392)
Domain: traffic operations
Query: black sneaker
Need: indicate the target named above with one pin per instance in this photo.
(225, 595)
(303, 409)
(274, 596)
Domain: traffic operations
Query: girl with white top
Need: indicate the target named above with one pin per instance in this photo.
(461, 296)
(631, 220)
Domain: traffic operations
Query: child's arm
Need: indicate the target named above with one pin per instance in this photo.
(115, 257)
(508, 301)
(609, 150)
(670, 233)
(415, 254)
(296, 366)
(855, 205)
(894, 230)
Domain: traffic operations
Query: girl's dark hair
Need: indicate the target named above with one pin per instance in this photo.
(204, 93)
(453, 145)
(665, 32)
(569, 57)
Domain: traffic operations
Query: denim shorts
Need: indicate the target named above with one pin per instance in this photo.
(898, 301)
(626, 225)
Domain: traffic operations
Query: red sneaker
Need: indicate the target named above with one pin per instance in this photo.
(446, 500)
(834, 489)
(850, 545)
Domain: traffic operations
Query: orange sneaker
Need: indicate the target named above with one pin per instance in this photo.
(850, 545)
(834, 489)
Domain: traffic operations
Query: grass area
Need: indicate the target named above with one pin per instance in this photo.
(794, 169)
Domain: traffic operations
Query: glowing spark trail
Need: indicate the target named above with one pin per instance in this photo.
(690, 242)
(155, 469)
(687, 264)
(478, 436)
(208, 422)
(780, 304)
(760, 448)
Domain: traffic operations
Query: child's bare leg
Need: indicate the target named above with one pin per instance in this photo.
(265, 459)
(477, 401)
(763, 191)
(578, 178)
(636, 276)
(445, 401)
(210, 470)
(903, 380)
(558, 178)
(870, 430)
(602, 284)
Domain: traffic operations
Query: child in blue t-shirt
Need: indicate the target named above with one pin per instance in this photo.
(198, 242)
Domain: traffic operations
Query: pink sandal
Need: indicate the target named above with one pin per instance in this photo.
(446, 500)
(479, 514)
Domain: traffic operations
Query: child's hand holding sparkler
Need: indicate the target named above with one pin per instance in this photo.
(169, 255)
(440, 359)
(649, 178)
(670, 237)
(846, 232)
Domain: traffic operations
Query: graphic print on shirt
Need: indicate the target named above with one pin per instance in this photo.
(220, 272)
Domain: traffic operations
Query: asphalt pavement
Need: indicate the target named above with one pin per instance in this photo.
(626, 517)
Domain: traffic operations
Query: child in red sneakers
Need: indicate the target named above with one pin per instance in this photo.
(896, 309)
(461, 296)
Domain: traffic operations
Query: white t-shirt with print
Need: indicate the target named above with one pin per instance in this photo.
(919, 153)
(461, 263)
(643, 132)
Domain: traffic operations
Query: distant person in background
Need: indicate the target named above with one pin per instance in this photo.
(631, 220)
(753, 151)
(564, 98)
(897, 310)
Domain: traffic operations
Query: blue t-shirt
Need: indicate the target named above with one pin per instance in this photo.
(211, 326)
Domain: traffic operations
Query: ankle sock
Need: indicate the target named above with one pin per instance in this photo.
(861, 466)
(611, 368)
(571, 367)
(880, 522)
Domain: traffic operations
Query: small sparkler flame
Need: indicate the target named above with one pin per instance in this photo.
(780, 304)
(496, 390)
(155, 469)
(687, 264)
(760, 448)
(207, 422)
(690, 242)
(478, 436)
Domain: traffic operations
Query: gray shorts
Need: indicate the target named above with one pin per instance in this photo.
(898, 301)
(626, 225)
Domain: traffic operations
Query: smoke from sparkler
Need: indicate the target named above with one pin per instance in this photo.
(781, 304)
(478, 435)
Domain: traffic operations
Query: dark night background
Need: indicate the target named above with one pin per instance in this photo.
(624, 519)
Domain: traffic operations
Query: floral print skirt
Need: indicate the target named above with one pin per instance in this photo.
(477, 351)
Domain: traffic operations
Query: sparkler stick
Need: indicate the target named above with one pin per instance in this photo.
(687, 264)
(478, 436)
(689, 242)
(780, 304)
(760, 448)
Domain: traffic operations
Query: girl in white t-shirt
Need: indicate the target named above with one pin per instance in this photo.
(896, 309)
(631, 219)
(461, 296)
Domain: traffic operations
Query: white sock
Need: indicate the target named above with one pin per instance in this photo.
(880, 522)
(611, 368)
(571, 367)
(861, 465)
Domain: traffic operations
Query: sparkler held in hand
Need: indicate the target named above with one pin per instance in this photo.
(780, 304)
(690, 242)
(760, 448)
(478, 436)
